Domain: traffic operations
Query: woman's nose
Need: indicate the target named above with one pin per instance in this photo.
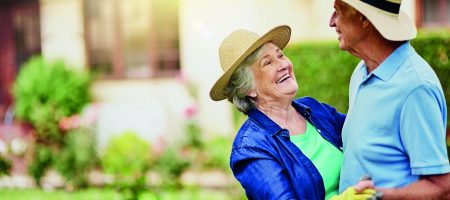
(284, 65)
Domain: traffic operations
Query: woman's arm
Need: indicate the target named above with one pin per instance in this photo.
(260, 175)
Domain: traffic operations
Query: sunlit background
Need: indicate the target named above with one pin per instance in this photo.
(117, 104)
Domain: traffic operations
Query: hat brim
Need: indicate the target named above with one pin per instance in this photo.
(279, 36)
(391, 27)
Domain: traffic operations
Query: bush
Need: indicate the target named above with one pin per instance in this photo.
(76, 158)
(42, 160)
(5, 166)
(218, 154)
(323, 71)
(435, 49)
(127, 157)
(44, 94)
(170, 165)
(126, 154)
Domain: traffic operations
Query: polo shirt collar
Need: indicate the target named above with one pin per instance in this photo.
(270, 126)
(393, 62)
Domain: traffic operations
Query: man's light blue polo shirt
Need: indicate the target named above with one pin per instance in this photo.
(395, 126)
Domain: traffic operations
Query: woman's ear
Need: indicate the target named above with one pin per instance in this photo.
(252, 93)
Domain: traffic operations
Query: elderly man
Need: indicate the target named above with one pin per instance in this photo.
(395, 125)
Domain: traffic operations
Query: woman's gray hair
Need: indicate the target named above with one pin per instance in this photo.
(241, 82)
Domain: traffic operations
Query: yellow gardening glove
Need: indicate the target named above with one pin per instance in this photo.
(350, 194)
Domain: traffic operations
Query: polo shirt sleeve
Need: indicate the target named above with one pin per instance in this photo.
(422, 130)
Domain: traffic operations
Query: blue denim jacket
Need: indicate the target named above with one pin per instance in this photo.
(269, 166)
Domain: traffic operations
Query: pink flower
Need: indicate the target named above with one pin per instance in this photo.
(71, 122)
(190, 111)
(159, 147)
(181, 78)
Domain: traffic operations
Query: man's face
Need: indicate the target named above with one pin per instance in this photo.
(348, 25)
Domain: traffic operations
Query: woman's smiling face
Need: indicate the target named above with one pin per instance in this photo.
(274, 75)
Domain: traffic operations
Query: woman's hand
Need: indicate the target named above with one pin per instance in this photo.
(351, 194)
(363, 190)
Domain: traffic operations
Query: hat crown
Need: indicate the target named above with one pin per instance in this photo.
(391, 6)
(386, 16)
(234, 46)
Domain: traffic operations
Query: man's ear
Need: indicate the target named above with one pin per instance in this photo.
(252, 93)
(364, 21)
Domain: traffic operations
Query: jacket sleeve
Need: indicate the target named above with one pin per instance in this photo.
(260, 174)
(339, 117)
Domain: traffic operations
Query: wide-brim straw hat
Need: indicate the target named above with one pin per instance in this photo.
(237, 46)
(386, 16)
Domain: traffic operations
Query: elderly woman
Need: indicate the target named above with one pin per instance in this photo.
(287, 148)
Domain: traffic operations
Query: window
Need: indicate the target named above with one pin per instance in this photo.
(432, 13)
(132, 39)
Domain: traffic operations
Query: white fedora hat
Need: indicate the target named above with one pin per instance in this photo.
(386, 16)
(237, 46)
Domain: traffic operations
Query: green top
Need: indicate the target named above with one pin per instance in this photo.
(326, 157)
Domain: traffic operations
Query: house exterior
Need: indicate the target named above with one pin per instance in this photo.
(150, 53)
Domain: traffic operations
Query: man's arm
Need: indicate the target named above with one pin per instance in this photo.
(429, 187)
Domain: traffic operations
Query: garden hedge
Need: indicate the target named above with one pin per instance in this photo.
(323, 71)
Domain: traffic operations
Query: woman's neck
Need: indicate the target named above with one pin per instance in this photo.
(285, 117)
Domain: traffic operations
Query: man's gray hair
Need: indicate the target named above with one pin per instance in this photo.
(241, 82)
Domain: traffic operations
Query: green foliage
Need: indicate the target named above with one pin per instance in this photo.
(435, 49)
(323, 71)
(42, 160)
(126, 154)
(109, 194)
(77, 156)
(218, 153)
(170, 165)
(194, 135)
(46, 92)
(5, 165)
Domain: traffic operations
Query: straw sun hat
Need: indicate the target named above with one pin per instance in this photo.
(386, 16)
(237, 46)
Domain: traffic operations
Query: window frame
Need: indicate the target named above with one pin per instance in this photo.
(156, 53)
(443, 13)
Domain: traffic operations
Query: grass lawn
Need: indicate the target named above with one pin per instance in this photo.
(110, 194)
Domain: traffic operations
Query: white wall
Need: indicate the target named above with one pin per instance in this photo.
(150, 108)
(62, 32)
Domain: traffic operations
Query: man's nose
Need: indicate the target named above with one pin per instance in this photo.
(332, 18)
